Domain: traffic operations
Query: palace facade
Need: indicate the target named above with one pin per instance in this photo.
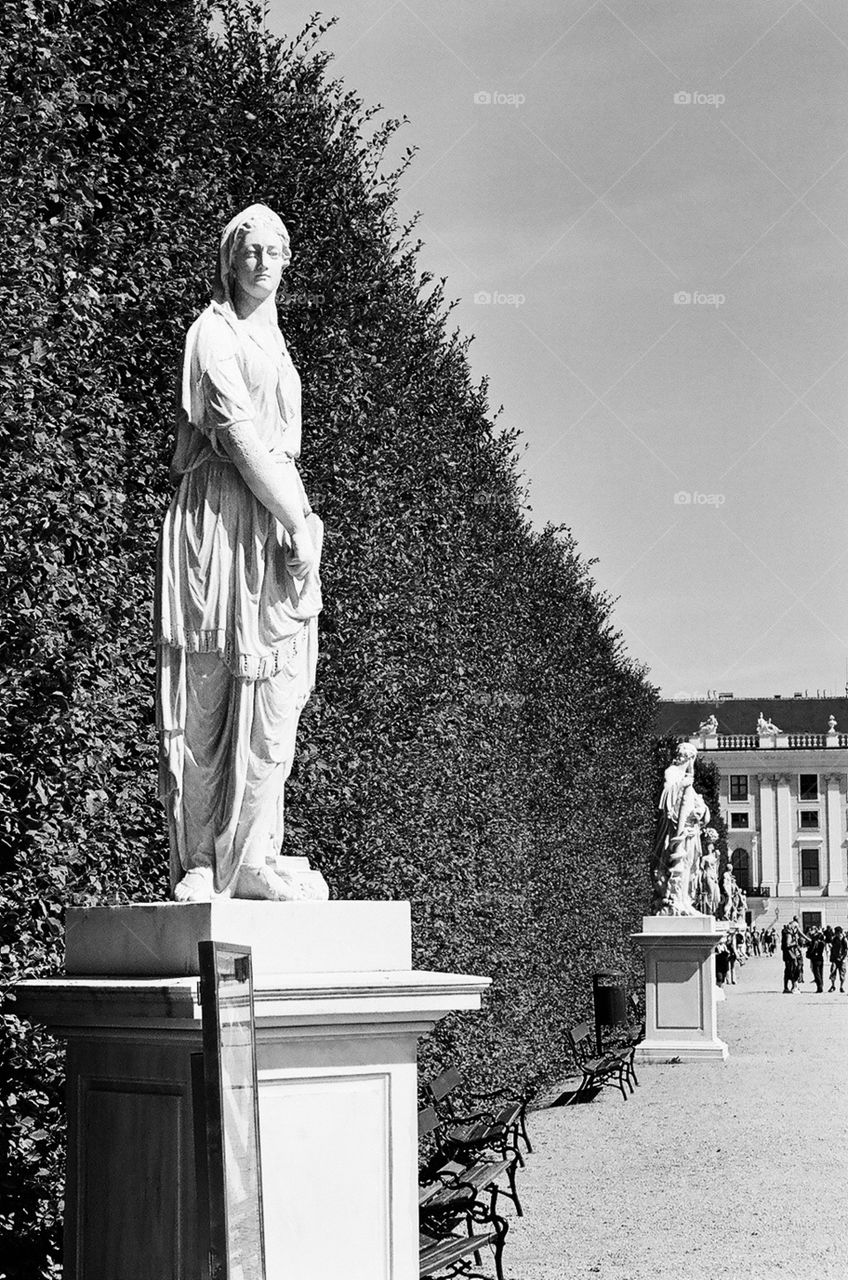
(783, 768)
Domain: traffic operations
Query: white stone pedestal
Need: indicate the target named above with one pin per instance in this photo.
(339, 1011)
(680, 989)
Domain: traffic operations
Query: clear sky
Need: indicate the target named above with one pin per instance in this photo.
(641, 205)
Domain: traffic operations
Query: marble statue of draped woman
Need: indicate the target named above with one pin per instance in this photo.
(238, 588)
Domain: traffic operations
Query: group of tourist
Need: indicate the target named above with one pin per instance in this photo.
(822, 946)
(737, 945)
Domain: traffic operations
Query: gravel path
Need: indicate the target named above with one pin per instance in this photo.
(719, 1171)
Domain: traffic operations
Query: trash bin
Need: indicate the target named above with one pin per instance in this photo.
(610, 1002)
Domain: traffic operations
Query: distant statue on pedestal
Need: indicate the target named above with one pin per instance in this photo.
(831, 725)
(732, 901)
(238, 587)
(708, 728)
(766, 727)
(707, 894)
(677, 844)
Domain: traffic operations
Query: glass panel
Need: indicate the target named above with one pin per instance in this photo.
(809, 868)
(232, 1113)
(741, 868)
(808, 786)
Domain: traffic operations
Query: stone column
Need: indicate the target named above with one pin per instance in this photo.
(768, 832)
(835, 868)
(786, 875)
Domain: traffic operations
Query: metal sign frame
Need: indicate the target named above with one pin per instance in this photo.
(231, 1113)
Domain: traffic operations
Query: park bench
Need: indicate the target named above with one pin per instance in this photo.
(627, 1040)
(455, 1225)
(500, 1123)
(456, 1254)
(479, 1174)
(610, 1068)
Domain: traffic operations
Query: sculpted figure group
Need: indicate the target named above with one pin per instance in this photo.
(684, 866)
(677, 846)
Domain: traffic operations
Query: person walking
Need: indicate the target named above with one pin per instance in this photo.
(732, 954)
(838, 954)
(815, 955)
(791, 939)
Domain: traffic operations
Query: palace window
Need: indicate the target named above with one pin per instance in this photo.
(808, 786)
(738, 786)
(810, 877)
(739, 821)
(808, 819)
(742, 868)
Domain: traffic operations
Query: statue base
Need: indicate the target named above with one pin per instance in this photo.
(680, 990)
(338, 1010)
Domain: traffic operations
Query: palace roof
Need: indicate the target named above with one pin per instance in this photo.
(740, 715)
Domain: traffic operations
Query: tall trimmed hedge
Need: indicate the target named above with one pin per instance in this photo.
(479, 740)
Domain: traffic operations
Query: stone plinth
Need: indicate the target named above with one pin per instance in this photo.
(680, 989)
(160, 939)
(339, 1011)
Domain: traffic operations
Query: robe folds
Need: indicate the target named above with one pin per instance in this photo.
(236, 633)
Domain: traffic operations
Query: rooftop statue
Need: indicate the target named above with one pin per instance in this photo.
(238, 586)
(708, 728)
(766, 727)
(831, 725)
(677, 844)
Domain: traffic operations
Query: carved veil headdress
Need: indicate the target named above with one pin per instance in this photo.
(254, 215)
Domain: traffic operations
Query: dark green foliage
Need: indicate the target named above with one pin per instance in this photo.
(478, 742)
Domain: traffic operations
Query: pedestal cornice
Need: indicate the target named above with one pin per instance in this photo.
(73, 1006)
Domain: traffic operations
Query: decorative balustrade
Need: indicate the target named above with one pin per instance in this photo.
(772, 742)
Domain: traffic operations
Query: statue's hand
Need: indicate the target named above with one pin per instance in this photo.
(302, 558)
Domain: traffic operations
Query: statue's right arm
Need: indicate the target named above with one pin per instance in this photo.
(228, 410)
(274, 483)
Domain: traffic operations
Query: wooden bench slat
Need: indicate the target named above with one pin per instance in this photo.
(444, 1252)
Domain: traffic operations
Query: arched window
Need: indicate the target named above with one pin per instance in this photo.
(742, 868)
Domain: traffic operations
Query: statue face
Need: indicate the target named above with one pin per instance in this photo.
(258, 264)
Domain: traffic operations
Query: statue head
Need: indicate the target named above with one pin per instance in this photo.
(253, 253)
(686, 753)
